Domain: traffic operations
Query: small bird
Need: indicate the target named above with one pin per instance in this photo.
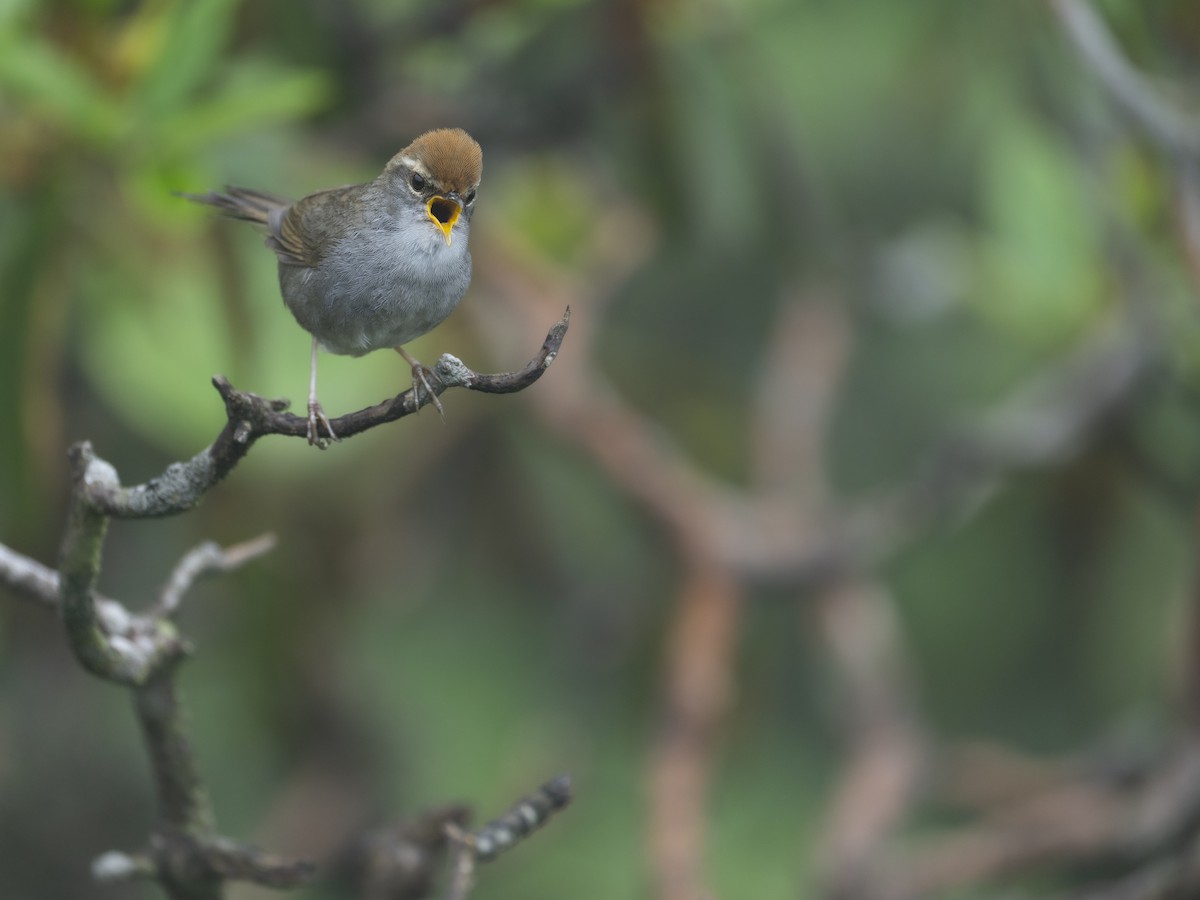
(372, 265)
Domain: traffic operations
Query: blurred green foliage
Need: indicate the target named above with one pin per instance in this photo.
(463, 610)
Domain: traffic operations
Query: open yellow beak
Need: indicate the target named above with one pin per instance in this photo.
(444, 212)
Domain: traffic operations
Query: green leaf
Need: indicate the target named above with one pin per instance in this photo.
(56, 87)
(152, 356)
(12, 11)
(1040, 262)
(190, 54)
(265, 98)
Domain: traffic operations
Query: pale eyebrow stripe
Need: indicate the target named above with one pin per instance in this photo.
(416, 165)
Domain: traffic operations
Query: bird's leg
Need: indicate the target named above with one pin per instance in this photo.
(420, 381)
(315, 413)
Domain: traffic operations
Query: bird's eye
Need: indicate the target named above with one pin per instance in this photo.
(417, 181)
(469, 196)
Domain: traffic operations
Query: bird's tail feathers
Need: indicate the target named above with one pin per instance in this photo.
(241, 203)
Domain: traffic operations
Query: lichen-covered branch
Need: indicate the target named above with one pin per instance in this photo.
(182, 799)
(186, 855)
(131, 658)
(500, 835)
(526, 816)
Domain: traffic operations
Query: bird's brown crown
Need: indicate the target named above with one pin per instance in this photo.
(448, 156)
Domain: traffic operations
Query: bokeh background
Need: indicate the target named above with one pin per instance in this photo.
(872, 447)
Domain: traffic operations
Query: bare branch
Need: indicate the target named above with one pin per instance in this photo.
(206, 559)
(462, 871)
(235, 861)
(28, 578)
(801, 374)
(1161, 879)
(699, 688)
(182, 485)
(195, 863)
(400, 861)
(114, 866)
(886, 746)
(1076, 823)
(1187, 214)
(1173, 131)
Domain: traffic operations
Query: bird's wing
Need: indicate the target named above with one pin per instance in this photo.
(304, 233)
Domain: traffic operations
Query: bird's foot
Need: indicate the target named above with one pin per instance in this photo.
(419, 371)
(317, 415)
